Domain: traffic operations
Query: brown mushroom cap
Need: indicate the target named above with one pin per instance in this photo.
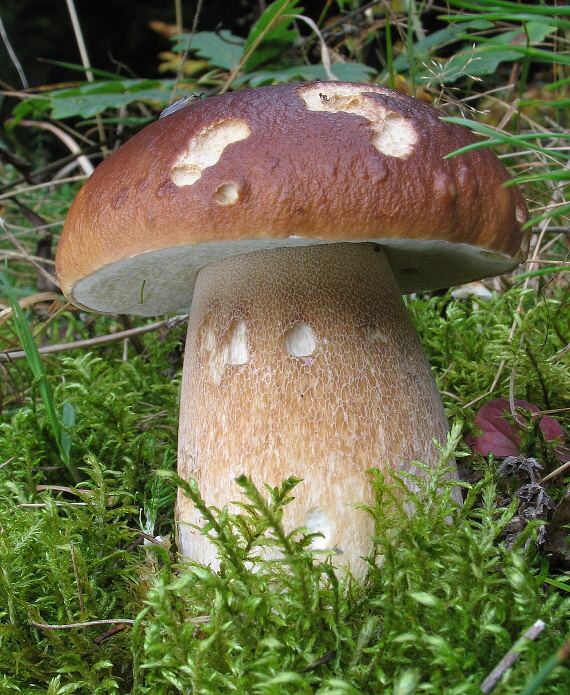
(287, 165)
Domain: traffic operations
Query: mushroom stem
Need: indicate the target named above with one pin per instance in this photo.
(303, 362)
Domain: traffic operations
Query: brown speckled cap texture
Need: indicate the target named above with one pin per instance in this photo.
(287, 165)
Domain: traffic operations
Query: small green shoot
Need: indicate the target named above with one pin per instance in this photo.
(62, 438)
(541, 677)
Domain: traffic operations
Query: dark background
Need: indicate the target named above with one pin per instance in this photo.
(119, 40)
(115, 31)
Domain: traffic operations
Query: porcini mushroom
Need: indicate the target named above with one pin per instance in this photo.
(291, 219)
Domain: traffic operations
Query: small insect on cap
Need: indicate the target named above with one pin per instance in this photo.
(287, 165)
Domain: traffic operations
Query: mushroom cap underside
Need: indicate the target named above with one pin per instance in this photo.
(288, 165)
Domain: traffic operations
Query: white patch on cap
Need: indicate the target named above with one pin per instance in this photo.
(227, 193)
(205, 149)
(392, 134)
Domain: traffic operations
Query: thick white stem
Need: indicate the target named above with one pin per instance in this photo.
(303, 362)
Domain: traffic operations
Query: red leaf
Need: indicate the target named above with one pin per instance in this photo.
(500, 436)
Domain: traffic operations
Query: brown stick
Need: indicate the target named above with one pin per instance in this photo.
(510, 657)
(99, 340)
(89, 623)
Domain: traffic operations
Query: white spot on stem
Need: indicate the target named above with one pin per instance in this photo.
(300, 340)
(316, 521)
(238, 351)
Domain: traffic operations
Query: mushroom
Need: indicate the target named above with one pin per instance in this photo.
(291, 219)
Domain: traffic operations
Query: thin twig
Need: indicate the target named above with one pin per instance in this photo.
(198, 620)
(180, 72)
(68, 141)
(518, 312)
(153, 540)
(329, 29)
(84, 58)
(178, 13)
(19, 256)
(510, 657)
(80, 42)
(88, 623)
(561, 354)
(63, 488)
(502, 364)
(38, 266)
(40, 505)
(556, 472)
(12, 54)
(99, 340)
(45, 184)
(30, 300)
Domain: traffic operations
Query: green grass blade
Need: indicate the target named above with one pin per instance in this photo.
(542, 271)
(482, 5)
(557, 584)
(36, 365)
(541, 677)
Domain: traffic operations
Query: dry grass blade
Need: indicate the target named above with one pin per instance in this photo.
(99, 340)
(29, 301)
(31, 352)
(492, 680)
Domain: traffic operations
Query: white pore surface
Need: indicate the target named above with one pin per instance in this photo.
(163, 281)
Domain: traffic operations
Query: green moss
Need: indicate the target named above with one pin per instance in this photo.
(443, 606)
(467, 340)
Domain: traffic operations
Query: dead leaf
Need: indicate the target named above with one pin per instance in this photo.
(500, 436)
